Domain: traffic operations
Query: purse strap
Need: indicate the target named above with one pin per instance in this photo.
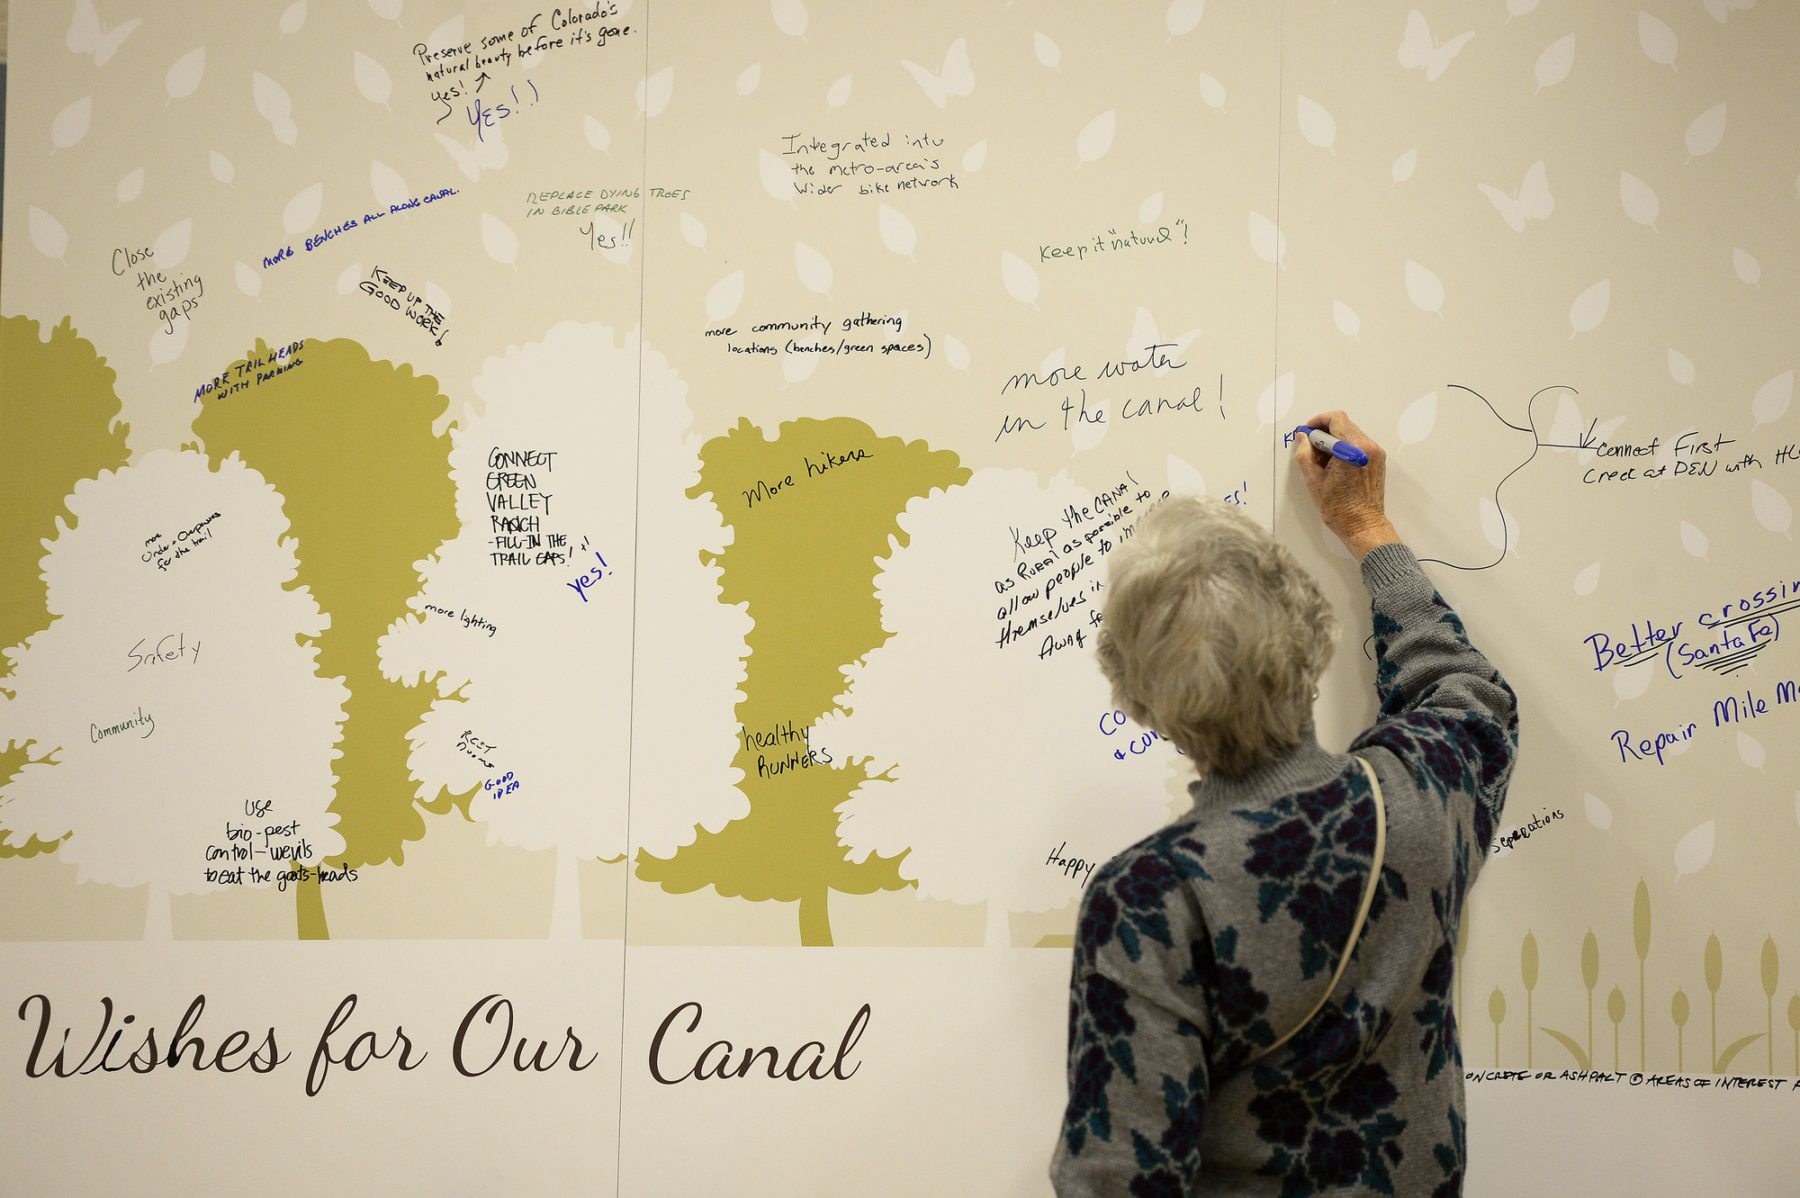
(1362, 911)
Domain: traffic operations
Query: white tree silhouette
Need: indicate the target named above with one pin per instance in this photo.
(533, 664)
(987, 760)
(173, 690)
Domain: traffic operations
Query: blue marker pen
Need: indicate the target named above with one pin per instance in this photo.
(1324, 442)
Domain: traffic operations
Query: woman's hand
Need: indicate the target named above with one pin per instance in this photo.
(1350, 498)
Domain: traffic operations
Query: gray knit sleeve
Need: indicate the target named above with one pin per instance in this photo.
(1445, 710)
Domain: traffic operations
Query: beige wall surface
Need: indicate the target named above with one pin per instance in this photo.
(608, 513)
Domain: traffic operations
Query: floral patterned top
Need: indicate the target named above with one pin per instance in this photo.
(1202, 944)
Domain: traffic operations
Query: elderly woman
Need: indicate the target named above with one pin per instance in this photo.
(1261, 998)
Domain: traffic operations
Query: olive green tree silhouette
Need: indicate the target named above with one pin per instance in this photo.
(810, 510)
(348, 443)
(58, 425)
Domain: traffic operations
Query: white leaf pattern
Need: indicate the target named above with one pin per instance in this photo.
(387, 185)
(1020, 280)
(171, 245)
(1316, 125)
(1589, 308)
(1681, 369)
(813, 269)
(498, 240)
(1658, 40)
(371, 79)
(1184, 16)
(723, 300)
(1640, 203)
(71, 124)
(302, 212)
(1771, 507)
(654, 93)
(1772, 398)
(1598, 813)
(790, 17)
(47, 234)
(897, 232)
(1275, 401)
(1417, 421)
(1706, 131)
(1097, 137)
(1554, 63)
(1183, 478)
(1750, 750)
(1746, 267)
(184, 74)
(1267, 240)
(1630, 684)
(166, 346)
(1424, 288)
(776, 179)
(1498, 527)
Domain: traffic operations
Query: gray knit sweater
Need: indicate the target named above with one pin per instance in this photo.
(1204, 943)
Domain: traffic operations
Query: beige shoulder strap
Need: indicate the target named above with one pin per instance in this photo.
(1362, 910)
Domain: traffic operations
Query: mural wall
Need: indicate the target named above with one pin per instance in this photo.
(552, 558)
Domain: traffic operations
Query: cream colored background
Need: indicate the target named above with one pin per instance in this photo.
(1580, 559)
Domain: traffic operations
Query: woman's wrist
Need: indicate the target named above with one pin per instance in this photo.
(1370, 535)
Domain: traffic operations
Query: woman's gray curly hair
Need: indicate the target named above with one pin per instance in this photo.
(1214, 635)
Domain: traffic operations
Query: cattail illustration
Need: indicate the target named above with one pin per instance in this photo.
(1794, 1022)
(1528, 973)
(1590, 977)
(1715, 973)
(1615, 1011)
(1678, 1011)
(1771, 974)
(1714, 962)
(1640, 934)
(1497, 1012)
